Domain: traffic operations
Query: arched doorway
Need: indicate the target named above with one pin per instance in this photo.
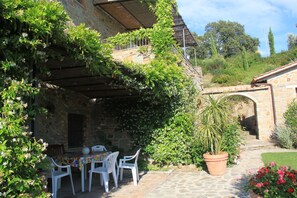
(245, 109)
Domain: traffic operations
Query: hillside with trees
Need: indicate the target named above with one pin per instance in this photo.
(228, 56)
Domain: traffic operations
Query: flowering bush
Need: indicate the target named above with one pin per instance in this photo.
(274, 181)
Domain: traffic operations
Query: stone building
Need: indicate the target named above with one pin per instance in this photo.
(283, 89)
(270, 94)
(73, 96)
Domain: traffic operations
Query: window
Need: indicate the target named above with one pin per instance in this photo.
(75, 130)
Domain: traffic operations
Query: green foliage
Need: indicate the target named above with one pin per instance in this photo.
(198, 149)
(214, 51)
(292, 41)
(214, 64)
(19, 151)
(230, 37)
(291, 116)
(284, 137)
(271, 42)
(234, 74)
(172, 144)
(160, 120)
(245, 59)
(232, 141)
(85, 45)
(34, 30)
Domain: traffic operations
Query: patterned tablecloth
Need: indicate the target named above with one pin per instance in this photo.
(78, 159)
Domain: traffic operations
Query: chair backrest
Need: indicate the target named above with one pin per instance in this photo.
(136, 156)
(110, 161)
(98, 148)
(52, 165)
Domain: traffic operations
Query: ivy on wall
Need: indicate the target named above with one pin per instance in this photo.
(161, 120)
(31, 33)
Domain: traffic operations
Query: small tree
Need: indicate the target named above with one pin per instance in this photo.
(214, 51)
(245, 59)
(271, 42)
(292, 41)
(291, 116)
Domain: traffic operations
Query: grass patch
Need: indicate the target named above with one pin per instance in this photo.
(282, 158)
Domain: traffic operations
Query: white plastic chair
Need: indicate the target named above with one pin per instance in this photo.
(57, 173)
(98, 148)
(108, 167)
(124, 163)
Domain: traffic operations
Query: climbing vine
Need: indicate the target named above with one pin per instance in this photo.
(161, 120)
(33, 32)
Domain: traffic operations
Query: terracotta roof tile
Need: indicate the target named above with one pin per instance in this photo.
(268, 74)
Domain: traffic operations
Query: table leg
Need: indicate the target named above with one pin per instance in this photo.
(83, 178)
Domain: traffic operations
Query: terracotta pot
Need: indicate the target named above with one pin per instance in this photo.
(216, 164)
(254, 195)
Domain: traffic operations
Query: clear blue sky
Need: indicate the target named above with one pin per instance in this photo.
(257, 16)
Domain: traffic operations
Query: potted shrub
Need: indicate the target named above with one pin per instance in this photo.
(213, 120)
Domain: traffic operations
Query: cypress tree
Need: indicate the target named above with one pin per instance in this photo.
(271, 42)
(214, 51)
(245, 59)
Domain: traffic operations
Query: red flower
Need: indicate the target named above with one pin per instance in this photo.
(290, 190)
(266, 183)
(291, 176)
(281, 181)
(259, 185)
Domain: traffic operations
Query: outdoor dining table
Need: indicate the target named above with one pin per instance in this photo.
(80, 161)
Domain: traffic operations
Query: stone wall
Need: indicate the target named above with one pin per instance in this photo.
(99, 128)
(84, 11)
(261, 96)
(284, 90)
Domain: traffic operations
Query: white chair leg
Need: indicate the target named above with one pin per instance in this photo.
(137, 173)
(134, 176)
(105, 180)
(72, 184)
(118, 171)
(55, 188)
(90, 181)
(115, 178)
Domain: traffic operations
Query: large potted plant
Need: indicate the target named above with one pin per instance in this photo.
(213, 120)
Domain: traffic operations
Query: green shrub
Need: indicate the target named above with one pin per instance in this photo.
(291, 116)
(197, 153)
(221, 79)
(171, 145)
(232, 141)
(284, 136)
(214, 63)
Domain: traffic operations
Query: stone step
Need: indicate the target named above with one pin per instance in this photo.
(257, 145)
(246, 135)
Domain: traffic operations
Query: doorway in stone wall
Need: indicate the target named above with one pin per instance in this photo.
(75, 130)
(244, 109)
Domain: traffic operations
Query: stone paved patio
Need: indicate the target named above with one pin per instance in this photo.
(180, 182)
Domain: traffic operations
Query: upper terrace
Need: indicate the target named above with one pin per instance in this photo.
(110, 17)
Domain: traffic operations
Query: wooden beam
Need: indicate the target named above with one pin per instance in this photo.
(79, 81)
(100, 2)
